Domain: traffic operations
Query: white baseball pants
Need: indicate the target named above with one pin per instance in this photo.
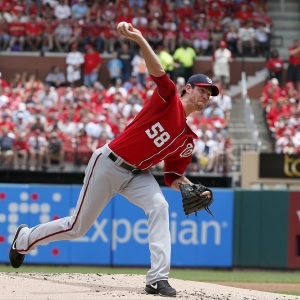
(103, 179)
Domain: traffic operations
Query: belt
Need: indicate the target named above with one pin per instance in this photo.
(124, 165)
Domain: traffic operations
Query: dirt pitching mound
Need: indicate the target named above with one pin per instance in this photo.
(46, 286)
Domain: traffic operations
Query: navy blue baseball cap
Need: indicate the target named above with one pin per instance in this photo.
(203, 80)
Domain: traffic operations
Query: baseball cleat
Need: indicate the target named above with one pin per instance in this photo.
(16, 259)
(161, 287)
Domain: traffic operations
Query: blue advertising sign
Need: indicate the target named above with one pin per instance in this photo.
(95, 246)
(202, 240)
(14, 210)
(197, 241)
(48, 203)
(119, 236)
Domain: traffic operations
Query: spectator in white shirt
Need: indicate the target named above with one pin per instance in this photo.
(74, 61)
(225, 103)
(62, 10)
(95, 129)
(246, 38)
(48, 96)
(262, 38)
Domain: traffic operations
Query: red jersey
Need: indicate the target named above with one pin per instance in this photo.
(185, 12)
(3, 83)
(16, 29)
(244, 16)
(93, 31)
(91, 62)
(186, 30)
(33, 28)
(124, 18)
(11, 126)
(5, 6)
(275, 65)
(158, 133)
(20, 145)
(215, 15)
(16, 9)
(48, 26)
(294, 59)
(170, 34)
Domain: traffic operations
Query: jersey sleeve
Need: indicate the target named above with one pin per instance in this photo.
(175, 168)
(165, 86)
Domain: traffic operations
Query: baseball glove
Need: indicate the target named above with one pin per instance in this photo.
(192, 202)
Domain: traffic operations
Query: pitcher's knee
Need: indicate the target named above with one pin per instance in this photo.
(161, 206)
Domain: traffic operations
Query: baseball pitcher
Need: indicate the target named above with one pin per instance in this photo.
(158, 133)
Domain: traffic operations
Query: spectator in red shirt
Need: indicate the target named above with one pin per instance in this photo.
(33, 7)
(154, 9)
(215, 13)
(275, 66)
(6, 122)
(293, 71)
(17, 33)
(109, 12)
(20, 149)
(77, 32)
(260, 16)
(92, 33)
(125, 15)
(276, 110)
(186, 30)
(244, 14)
(33, 33)
(271, 94)
(48, 27)
(170, 11)
(92, 65)
(94, 12)
(185, 11)
(3, 82)
(109, 36)
(272, 84)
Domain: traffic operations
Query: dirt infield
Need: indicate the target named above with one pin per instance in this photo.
(46, 286)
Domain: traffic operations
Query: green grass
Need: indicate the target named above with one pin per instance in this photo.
(287, 293)
(185, 274)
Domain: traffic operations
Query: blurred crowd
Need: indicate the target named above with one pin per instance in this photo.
(62, 119)
(42, 126)
(280, 100)
(54, 25)
(281, 107)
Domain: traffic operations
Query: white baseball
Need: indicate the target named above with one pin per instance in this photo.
(125, 24)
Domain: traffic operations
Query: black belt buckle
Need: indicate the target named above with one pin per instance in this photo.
(136, 171)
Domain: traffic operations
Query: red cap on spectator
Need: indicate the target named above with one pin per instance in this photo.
(289, 84)
(223, 44)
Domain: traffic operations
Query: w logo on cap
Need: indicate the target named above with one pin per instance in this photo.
(208, 80)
